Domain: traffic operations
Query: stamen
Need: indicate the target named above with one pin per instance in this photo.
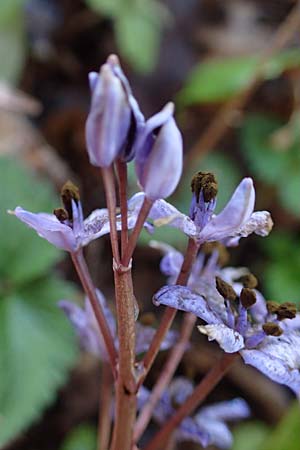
(247, 297)
(61, 214)
(205, 182)
(225, 289)
(249, 281)
(272, 307)
(272, 329)
(68, 193)
(209, 247)
(286, 310)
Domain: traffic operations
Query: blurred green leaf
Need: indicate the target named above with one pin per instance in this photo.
(219, 79)
(281, 275)
(12, 49)
(286, 436)
(272, 151)
(36, 351)
(23, 254)
(138, 26)
(82, 438)
(249, 436)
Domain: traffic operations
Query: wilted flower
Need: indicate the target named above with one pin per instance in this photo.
(158, 157)
(264, 334)
(206, 427)
(114, 118)
(87, 329)
(236, 220)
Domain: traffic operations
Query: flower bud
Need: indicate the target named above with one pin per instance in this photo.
(114, 118)
(159, 155)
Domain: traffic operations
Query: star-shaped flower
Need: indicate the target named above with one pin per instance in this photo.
(208, 426)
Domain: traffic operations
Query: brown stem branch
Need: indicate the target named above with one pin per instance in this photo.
(143, 214)
(211, 379)
(169, 313)
(126, 383)
(110, 194)
(88, 286)
(104, 420)
(122, 175)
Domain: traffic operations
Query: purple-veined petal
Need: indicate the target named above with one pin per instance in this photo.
(273, 368)
(163, 213)
(229, 340)
(182, 298)
(49, 227)
(237, 211)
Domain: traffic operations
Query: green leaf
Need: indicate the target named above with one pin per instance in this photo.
(82, 438)
(249, 436)
(23, 254)
(219, 79)
(37, 349)
(106, 7)
(12, 49)
(286, 436)
(281, 280)
(289, 191)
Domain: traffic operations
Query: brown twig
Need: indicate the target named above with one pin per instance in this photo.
(199, 394)
(104, 420)
(227, 113)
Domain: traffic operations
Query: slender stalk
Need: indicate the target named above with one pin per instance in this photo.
(212, 378)
(169, 313)
(166, 375)
(143, 214)
(104, 421)
(88, 286)
(110, 193)
(122, 174)
(126, 383)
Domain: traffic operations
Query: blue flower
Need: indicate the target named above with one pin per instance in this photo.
(158, 155)
(114, 119)
(266, 335)
(208, 425)
(87, 329)
(236, 220)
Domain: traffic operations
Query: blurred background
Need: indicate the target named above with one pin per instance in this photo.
(233, 70)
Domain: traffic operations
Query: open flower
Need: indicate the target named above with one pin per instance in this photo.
(264, 335)
(208, 426)
(87, 329)
(236, 220)
(114, 119)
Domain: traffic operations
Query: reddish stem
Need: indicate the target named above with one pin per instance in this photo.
(122, 174)
(207, 384)
(104, 420)
(169, 313)
(110, 194)
(88, 286)
(143, 214)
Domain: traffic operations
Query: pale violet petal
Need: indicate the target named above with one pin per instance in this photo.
(260, 222)
(218, 432)
(182, 298)
(237, 211)
(273, 368)
(180, 389)
(234, 409)
(229, 340)
(145, 334)
(189, 430)
(163, 213)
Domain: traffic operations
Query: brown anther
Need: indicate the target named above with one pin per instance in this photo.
(248, 281)
(286, 310)
(69, 192)
(247, 297)
(209, 247)
(147, 319)
(61, 214)
(205, 182)
(225, 289)
(272, 307)
(272, 329)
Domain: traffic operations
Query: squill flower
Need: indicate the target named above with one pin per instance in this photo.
(87, 329)
(114, 118)
(236, 220)
(158, 155)
(208, 426)
(263, 334)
